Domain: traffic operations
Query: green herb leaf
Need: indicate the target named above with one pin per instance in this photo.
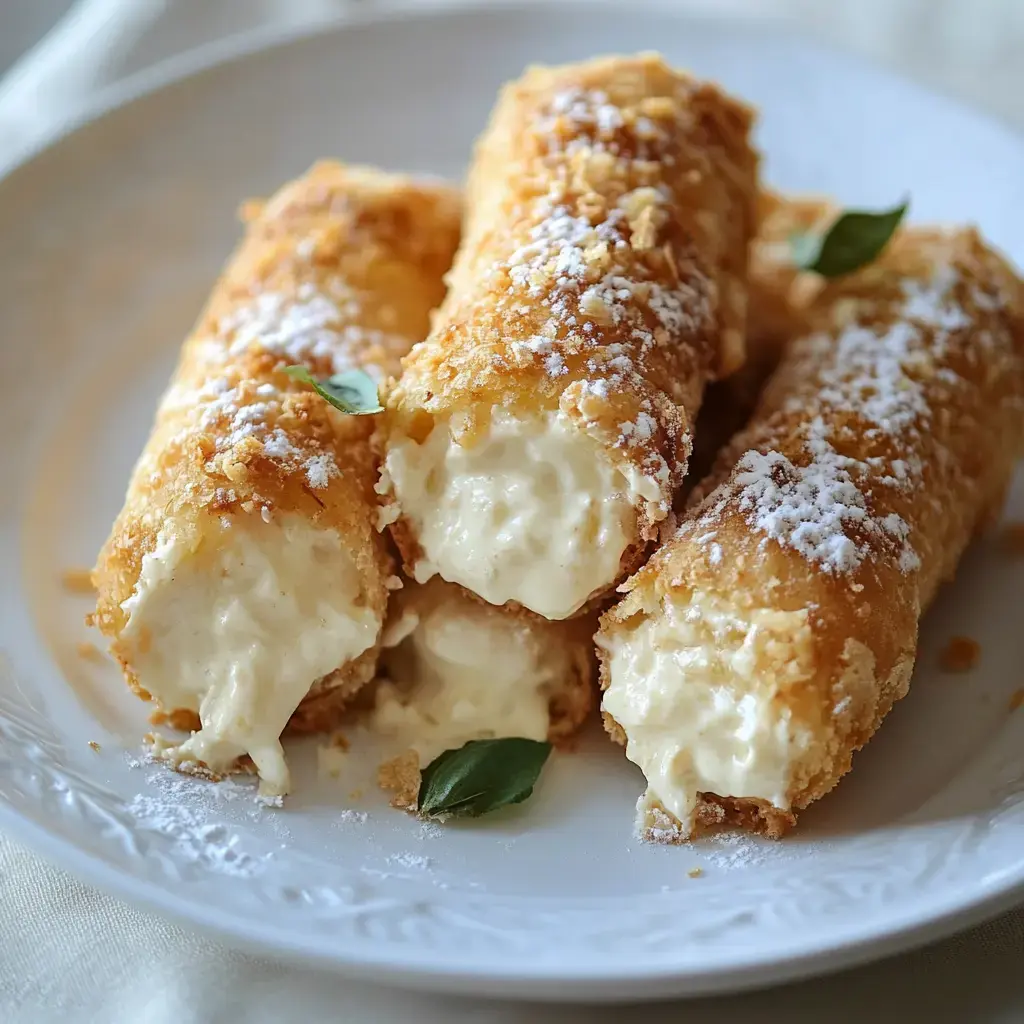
(855, 239)
(353, 392)
(481, 776)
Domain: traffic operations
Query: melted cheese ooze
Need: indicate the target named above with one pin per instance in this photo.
(240, 629)
(533, 512)
(698, 714)
(459, 670)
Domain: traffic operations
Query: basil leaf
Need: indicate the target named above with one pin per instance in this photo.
(855, 239)
(353, 392)
(481, 776)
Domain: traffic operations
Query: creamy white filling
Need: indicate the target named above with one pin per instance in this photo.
(458, 670)
(240, 629)
(688, 686)
(532, 512)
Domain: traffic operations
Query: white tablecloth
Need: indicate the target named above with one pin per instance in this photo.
(72, 955)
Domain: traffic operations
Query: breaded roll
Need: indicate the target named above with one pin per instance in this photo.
(764, 644)
(245, 576)
(538, 436)
(780, 296)
(456, 669)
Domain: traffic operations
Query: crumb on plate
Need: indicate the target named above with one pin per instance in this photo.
(77, 581)
(961, 654)
(401, 778)
(93, 745)
(1013, 538)
(695, 872)
(88, 651)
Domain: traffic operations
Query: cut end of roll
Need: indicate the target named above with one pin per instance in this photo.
(530, 511)
(238, 624)
(455, 670)
(699, 687)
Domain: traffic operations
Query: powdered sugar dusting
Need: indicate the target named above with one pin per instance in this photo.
(351, 817)
(569, 265)
(728, 851)
(817, 509)
(231, 412)
(410, 860)
(583, 270)
(190, 811)
(319, 470)
(309, 327)
(821, 503)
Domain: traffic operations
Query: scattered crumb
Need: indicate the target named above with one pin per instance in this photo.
(77, 581)
(89, 651)
(1013, 538)
(695, 872)
(250, 209)
(180, 719)
(401, 778)
(356, 794)
(93, 745)
(338, 740)
(961, 654)
(1017, 699)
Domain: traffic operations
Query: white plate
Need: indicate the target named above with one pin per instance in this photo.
(111, 237)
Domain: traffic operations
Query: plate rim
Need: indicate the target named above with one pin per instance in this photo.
(913, 929)
(553, 983)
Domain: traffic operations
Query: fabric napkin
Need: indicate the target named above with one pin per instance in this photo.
(70, 953)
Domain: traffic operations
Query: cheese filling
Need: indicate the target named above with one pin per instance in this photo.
(239, 629)
(457, 670)
(533, 512)
(690, 688)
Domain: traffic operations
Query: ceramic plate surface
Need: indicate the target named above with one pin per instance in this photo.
(112, 235)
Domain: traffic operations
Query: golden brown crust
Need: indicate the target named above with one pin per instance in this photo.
(780, 296)
(878, 447)
(715, 813)
(339, 269)
(602, 270)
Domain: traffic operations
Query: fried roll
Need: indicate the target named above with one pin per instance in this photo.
(456, 669)
(780, 295)
(245, 577)
(538, 436)
(764, 644)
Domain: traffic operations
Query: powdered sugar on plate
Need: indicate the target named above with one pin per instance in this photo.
(193, 813)
(410, 860)
(183, 809)
(728, 851)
